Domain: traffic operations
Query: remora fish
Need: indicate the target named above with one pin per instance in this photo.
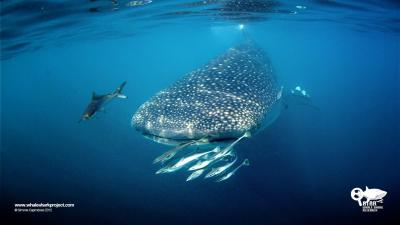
(228, 175)
(221, 169)
(195, 175)
(219, 155)
(204, 163)
(227, 149)
(185, 160)
(227, 99)
(98, 101)
(171, 153)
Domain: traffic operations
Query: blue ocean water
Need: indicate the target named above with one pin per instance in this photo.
(346, 54)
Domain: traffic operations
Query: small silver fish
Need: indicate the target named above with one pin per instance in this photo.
(201, 164)
(171, 153)
(221, 169)
(185, 160)
(195, 175)
(227, 149)
(213, 159)
(246, 162)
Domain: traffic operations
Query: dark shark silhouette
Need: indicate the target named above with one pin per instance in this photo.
(98, 101)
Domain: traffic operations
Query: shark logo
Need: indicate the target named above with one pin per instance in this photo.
(372, 196)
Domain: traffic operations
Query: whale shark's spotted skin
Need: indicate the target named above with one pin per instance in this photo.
(223, 99)
(213, 108)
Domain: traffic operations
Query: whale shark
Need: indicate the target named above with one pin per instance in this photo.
(230, 98)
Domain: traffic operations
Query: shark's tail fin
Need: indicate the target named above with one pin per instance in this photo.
(118, 91)
(298, 96)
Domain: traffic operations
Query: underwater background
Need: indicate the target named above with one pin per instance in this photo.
(54, 54)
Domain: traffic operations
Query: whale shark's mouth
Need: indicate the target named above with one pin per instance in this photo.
(182, 136)
(182, 140)
(165, 140)
(166, 137)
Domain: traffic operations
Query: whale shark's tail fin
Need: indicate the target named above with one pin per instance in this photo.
(298, 96)
(118, 91)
